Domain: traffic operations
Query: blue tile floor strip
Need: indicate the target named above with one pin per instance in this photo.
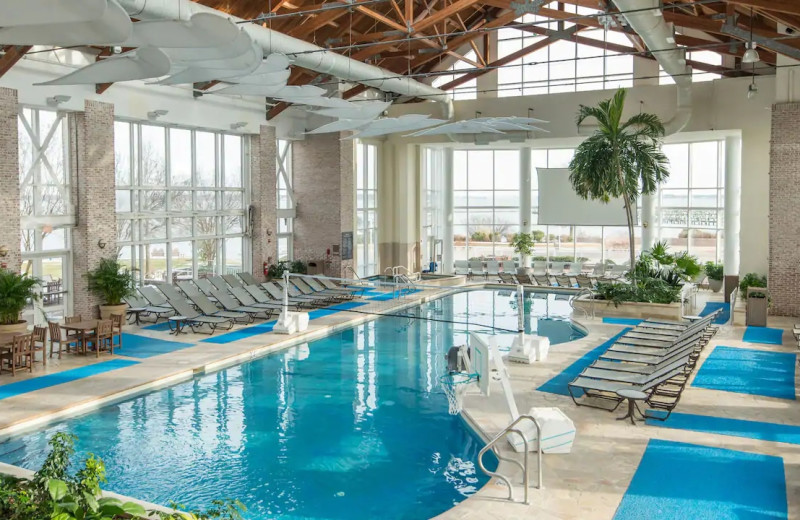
(748, 371)
(622, 321)
(262, 328)
(763, 335)
(679, 480)
(762, 431)
(145, 347)
(558, 384)
(723, 316)
(59, 378)
(162, 326)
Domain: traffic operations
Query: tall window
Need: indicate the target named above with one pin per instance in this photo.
(285, 201)
(563, 65)
(709, 57)
(485, 203)
(181, 201)
(468, 89)
(45, 208)
(366, 209)
(432, 215)
(692, 201)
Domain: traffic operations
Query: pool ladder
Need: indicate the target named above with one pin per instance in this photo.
(492, 445)
(583, 291)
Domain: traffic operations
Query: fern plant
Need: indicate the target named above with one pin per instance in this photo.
(111, 281)
(15, 292)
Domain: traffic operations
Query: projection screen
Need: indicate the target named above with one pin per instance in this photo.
(559, 205)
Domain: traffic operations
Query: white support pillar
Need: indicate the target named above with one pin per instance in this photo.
(447, 211)
(525, 194)
(649, 221)
(733, 182)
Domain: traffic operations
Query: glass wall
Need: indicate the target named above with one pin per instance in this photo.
(366, 209)
(46, 211)
(181, 201)
(485, 203)
(468, 89)
(285, 201)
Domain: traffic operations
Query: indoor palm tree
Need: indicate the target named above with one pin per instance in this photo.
(619, 158)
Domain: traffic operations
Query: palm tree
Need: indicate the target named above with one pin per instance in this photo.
(619, 157)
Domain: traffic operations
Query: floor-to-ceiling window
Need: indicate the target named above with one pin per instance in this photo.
(45, 209)
(181, 201)
(692, 201)
(485, 203)
(366, 209)
(285, 201)
(432, 215)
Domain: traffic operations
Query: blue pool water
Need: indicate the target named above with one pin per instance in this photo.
(351, 426)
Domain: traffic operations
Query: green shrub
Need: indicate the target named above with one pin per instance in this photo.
(54, 493)
(111, 281)
(523, 243)
(651, 290)
(752, 280)
(714, 271)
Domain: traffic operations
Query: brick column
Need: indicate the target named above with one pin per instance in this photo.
(263, 150)
(9, 179)
(784, 211)
(323, 173)
(93, 192)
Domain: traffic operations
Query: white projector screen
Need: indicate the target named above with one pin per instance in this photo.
(559, 205)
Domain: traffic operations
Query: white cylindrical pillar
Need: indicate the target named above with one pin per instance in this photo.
(525, 195)
(649, 222)
(733, 183)
(447, 211)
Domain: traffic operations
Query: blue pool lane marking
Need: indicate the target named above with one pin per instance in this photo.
(262, 328)
(763, 431)
(145, 347)
(748, 371)
(59, 378)
(723, 317)
(679, 480)
(763, 335)
(558, 384)
(622, 321)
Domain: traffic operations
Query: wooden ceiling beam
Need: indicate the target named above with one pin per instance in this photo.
(779, 6)
(441, 14)
(13, 53)
(381, 18)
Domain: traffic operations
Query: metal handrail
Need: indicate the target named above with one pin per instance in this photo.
(350, 268)
(492, 445)
(583, 291)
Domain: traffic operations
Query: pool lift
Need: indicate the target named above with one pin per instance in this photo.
(290, 322)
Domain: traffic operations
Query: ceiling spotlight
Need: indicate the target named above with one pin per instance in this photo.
(238, 125)
(155, 114)
(751, 54)
(57, 100)
(752, 90)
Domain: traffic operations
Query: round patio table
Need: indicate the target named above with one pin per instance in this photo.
(632, 396)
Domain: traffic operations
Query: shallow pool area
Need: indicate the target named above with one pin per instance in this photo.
(354, 425)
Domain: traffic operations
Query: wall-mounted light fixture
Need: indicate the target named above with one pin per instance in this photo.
(57, 100)
(101, 244)
(155, 114)
(3, 251)
(238, 125)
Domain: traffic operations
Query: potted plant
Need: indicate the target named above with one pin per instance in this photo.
(15, 292)
(112, 282)
(715, 272)
(523, 244)
(619, 157)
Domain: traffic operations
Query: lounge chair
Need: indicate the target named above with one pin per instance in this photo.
(525, 279)
(642, 368)
(136, 302)
(626, 376)
(230, 304)
(218, 282)
(203, 284)
(330, 284)
(172, 293)
(318, 287)
(584, 282)
(476, 268)
(247, 279)
(573, 269)
(461, 267)
(208, 308)
(539, 268)
(154, 296)
(196, 320)
(232, 280)
(606, 390)
(557, 268)
(507, 278)
(542, 280)
(294, 292)
(564, 281)
(258, 294)
(492, 268)
(295, 298)
(244, 297)
(509, 266)
(306, 289)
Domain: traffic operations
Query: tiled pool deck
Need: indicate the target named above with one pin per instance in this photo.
(589, 483)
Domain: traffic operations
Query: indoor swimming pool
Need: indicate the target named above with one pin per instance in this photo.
(351, 426)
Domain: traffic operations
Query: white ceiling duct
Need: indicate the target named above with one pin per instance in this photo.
(304, 54)
(646, 18)
(113, 26)
(238, 46)
(40, 12)
(142, 63)
(200, 30)
(362, 110)
(313, 101)
(245, 89)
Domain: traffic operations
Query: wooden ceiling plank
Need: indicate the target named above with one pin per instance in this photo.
(381, 18)
(443, 13)
(780, 6)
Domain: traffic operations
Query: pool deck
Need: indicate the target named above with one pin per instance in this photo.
(589, 483)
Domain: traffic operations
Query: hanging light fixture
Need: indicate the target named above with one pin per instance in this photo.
(751, 54)
(752, 89)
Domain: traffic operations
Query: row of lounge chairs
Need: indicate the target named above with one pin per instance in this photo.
(655, 358)
(472, 268)
(222, 301)
(579, 281)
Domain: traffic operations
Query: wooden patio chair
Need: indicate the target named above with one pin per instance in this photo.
(117, 320)
(39, 343)
(56, 338)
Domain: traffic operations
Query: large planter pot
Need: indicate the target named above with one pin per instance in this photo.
(715, 285)
(22, 326)
(642, 310)
(524, 270)
(107, 310)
